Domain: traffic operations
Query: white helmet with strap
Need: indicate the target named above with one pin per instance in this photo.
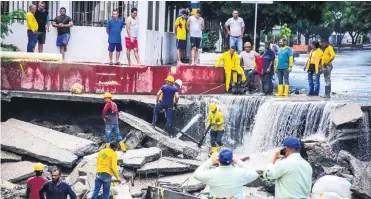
(179, 82)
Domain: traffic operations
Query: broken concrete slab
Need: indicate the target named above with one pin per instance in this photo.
(121, 191)
(184, 182)
(194, 164)
(134, 138)
(174, 144)
(350, 113)
(138, 157)
(87, 169)
(17, 171)
(6, 184)
(163, 166)
(256, 193)
(43, 143)
(10, 157)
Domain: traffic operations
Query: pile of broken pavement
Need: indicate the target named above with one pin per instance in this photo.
(153, 159)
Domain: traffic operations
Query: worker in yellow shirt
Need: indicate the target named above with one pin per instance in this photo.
(181, 35)
(106, 168)
(314, 66)
(327, 58)
(232, 67)
(32, 27)
(216, 120)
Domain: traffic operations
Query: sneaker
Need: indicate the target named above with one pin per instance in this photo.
(111, 63)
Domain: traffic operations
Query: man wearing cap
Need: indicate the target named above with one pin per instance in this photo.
(293, 174)
(228, 179)
(35, 183)
(168, 92)
(110, 116)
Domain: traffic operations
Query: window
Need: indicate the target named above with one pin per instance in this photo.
(150, 16)
(4, 7)
(157, 18)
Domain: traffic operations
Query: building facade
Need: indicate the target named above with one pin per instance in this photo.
(88, 42)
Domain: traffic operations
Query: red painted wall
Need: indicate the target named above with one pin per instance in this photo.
(40, 76)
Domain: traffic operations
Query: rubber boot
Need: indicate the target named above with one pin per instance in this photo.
(327, 92)
(221, 147)
(286, 91)
(279, 91)
(107, 145)
(122, 146)
(213, 150)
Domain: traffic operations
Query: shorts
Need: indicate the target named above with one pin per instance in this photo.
(63, 38)
(41, 37)
(181, 44)
(113, 46)
(131, 45)
(195, 42)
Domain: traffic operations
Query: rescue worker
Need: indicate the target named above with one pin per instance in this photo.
(216, 120)
(293, 174)
(231, 67)
(313, 67)
(106, 168)
(327, 58)
(56, 189)
(168, 91)
(110, 116)
(178, 84)
(229, 178)
(35, 183)
(283, 67)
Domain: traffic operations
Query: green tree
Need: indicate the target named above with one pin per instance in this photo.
(8, 19)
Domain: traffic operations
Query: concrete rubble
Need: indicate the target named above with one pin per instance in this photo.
(10, 157)
(17, 171)
(44, 144)
(174, 144)
(163, 166)
(134, 138)
(138, 157)
(350, 113)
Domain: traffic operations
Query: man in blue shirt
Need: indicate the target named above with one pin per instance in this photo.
(283, 67)
(268, 70)
(114, 28)
(168, 92)
(56, 189)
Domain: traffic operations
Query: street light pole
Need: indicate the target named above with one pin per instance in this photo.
(256, 19)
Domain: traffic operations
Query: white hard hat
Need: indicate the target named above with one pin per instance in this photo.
(179, 82)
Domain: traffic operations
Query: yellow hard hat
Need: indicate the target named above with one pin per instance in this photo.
(212, 107)
(38, 167)
(170, 79)
(107, 95)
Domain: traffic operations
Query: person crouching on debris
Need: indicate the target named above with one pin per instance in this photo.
(293, 174)
(216, 120)
(229, 178)
(168, 92)
(110, 117)
(232, 67)
(106, 168)
(35, 183)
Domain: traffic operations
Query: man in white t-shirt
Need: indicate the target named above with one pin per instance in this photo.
(235, 28)
(195, 26)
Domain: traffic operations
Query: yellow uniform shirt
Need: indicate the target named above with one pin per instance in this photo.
(328, 55)
(31, 22)
(216, 118)
(107, 162)
(315, 58)
(181, 32)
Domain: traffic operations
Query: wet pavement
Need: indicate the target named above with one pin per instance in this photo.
(350, 76)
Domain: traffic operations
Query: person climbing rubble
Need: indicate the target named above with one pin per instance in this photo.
(35, 183)
(168, 93)
(178, 84)
(232, 68)
(216, 120)
(110, 117)
(106, 168)
(229, 178)
(292, 173)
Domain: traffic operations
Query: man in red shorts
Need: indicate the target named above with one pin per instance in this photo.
(131, 41)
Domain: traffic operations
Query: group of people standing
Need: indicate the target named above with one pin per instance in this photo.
(38, 23)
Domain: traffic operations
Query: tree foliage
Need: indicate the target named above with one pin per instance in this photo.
(8, 19)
